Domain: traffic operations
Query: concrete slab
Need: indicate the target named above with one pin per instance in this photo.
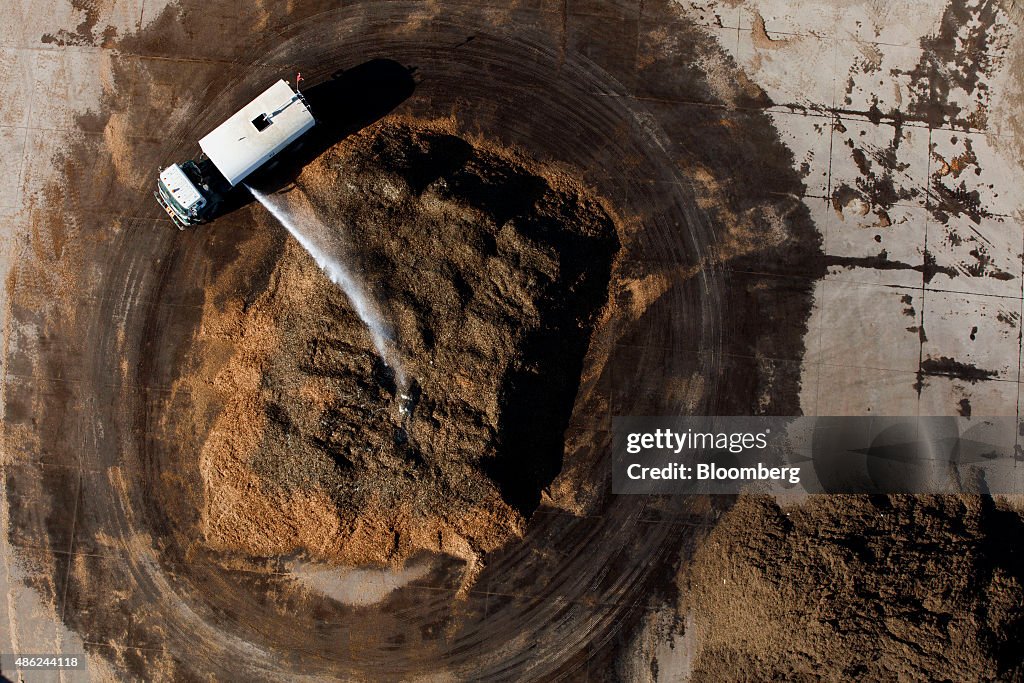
(879, 163)
(65, 81)
(16, 86)
(969, 174)
(874, 252)
(977, 258)
(868, 326)
(12, 158)
(792, 69)
(954, 396)
(711, 13)
(971, 336)
(866, 391)
(873, 74)
(60, 25)
(858, 32)
(116, 18)
(760, 292)
(822, 214)
(1001, 435)
(970, 63)
(35, 618)
(888, 24)
(26, 21)
(818, 18)
(809, 137)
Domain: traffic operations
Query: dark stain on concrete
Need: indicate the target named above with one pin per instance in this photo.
(929, 268)
(85, 33)
(956, 57)
(950, 367)
(964, 408)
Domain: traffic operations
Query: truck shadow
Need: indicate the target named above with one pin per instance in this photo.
(347, 102)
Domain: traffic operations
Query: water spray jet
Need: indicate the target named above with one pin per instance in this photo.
(362, 304)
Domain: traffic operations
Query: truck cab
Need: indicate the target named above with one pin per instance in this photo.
(191, 192)
(187, 195)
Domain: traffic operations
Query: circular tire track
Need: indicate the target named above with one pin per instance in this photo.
(548, 606)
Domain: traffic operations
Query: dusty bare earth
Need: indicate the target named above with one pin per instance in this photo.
(494, 274)
(163, 573)
(191, 416)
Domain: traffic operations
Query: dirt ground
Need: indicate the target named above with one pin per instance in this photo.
(574, 211)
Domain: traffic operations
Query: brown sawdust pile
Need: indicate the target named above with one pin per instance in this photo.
(860, 588)
(492, 277)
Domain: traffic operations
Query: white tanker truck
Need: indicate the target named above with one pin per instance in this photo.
(192, 191)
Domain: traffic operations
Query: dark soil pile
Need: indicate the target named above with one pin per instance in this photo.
(860, 588)
(492, 276)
